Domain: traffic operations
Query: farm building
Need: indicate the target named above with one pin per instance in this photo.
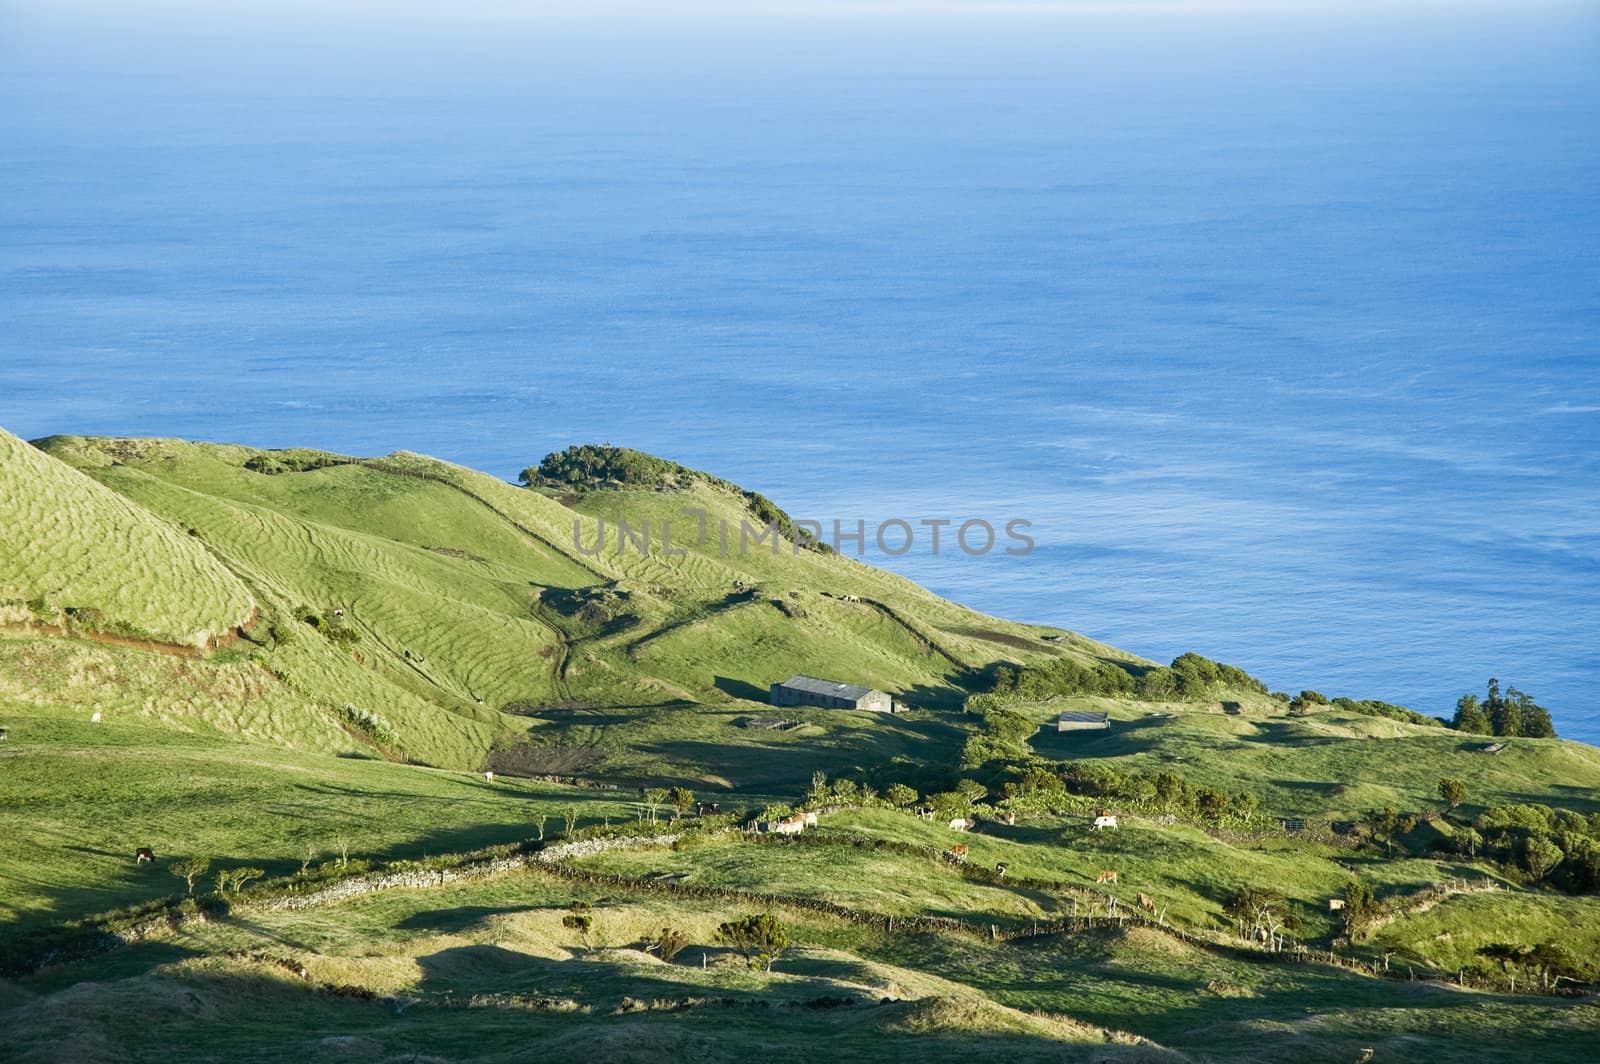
(829, 694)
(1081, 720)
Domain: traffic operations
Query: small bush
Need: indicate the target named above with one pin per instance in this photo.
(374, 724)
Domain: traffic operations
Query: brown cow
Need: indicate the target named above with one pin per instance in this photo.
(958, 854)
(143, 854)
(1147, 902)
(1107, 876)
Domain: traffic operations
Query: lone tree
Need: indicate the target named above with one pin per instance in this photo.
(759, 938)
(190, 869)
(232, 880)
(654, 799)
(670, 943)
(682, 799)
(1359, 908)
(1453, 791)
(579, 918)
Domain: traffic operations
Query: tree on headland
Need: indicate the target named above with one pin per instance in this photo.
(1452, 791)
(1512, 713)
(1470, 717)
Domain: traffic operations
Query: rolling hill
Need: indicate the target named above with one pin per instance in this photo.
(298, 664)
(78, 555)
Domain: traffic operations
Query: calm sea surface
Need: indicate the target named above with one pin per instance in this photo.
(1284, 332)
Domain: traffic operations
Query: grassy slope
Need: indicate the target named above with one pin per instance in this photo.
(1330, 763)
(68, 539)
(77, 798)
(462, 588)
(219, 987)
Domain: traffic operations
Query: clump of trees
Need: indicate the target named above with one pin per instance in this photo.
(1452, 791)
(592, 465)
(1545, 963)
(1190, 677)
(294, 460)
(1262, 914)
(1557, 846)
(1160, 792)
(1512, 713)
(1310, 701)
(1003, 736)
(759, 938)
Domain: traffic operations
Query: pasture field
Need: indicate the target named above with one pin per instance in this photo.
(1328, 763)
(488, 971)
(409, 624)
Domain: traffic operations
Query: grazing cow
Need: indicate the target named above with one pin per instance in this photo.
(789, 825)
(143, 854)
(959, 824)
(1107, 876)
(488, 777)
(707, 808)
(811, 820)
(96, 718)
(3, 734)
(1000, 869)
(958, 854)
(1147, 903)
(1335, 904)
(924, 814)
(1009, 820)
(1104, 820)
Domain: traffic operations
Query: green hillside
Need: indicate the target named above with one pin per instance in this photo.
(77, 555)
(463, 596)
(413, 623)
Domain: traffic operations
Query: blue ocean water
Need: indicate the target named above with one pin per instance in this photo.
(1280, 328)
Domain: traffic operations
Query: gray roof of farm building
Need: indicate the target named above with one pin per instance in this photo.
(1081, 716)
(826, 687)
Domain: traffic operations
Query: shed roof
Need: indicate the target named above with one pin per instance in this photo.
(1082, 716)
(812, 685)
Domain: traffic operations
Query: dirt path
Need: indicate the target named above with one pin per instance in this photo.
(176, 650)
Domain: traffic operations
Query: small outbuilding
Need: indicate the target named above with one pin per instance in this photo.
(829, 694)
(1082, 720)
